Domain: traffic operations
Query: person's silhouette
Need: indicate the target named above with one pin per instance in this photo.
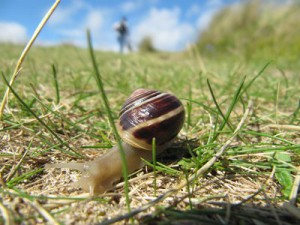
(123, 34)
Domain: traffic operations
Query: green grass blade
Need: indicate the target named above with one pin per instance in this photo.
(268, 135)
(232, 104)
(189, 107)
(188, 189)
(23, 177)
(215, 101)
(154, 164)
(227, 115)
(254, 78)
(56, 85)
(163, 168)
(295, 113)
(201, 104)
(250, 150)
(229, 110)
(110, 118)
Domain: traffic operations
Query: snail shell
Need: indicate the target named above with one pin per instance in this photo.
(149, 114)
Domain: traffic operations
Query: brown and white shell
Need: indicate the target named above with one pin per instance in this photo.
(149, 114)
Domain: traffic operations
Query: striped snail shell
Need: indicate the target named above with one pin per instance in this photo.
(149, 114)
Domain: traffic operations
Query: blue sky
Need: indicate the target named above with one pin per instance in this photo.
(172, 24)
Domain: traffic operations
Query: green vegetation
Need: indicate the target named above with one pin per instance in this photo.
(146, 45)
(255, 31)
(236, 160)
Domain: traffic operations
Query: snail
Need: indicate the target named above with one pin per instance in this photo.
(146, 114)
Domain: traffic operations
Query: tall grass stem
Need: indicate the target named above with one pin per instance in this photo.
(24, 53)
(154, 164)
(110, 118)
(56, 84)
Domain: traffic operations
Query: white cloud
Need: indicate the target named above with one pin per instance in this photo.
(94, 20)
(204, 20)
(64, 15)
(72, 29)
(195, 9)
(130, 6)
(165, 29)
(12, 32)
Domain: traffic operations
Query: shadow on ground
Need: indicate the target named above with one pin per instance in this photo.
(226, 214)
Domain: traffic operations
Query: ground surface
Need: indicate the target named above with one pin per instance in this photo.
(252, 181)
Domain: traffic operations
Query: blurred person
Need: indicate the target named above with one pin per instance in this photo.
(123, 34)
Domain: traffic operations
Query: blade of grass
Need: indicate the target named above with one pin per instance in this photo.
(253, 150)
(189, 109)
(194, 157)
(6, 215)
(163, 168)
(229, 110)
(25, 52)
(40, 120)
(217, 105)
(276, 104)
(295, 188)
(254, 78)
(233, 102)
(23, 177)
(201, 104)
(268, 135)
(188, 189)
(98, 79)
(154, 164)
(295, 113)
(56, 85)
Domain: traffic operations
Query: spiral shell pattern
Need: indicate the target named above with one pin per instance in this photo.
(149, 114)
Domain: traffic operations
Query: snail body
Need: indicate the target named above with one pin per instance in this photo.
(146, 114)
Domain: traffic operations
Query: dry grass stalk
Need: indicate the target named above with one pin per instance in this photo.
(282, 127)
(295, 188)
(6, 215)
(24, 53)
(48, 217)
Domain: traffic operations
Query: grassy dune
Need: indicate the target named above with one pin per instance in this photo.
(255, 31)
(253, 180)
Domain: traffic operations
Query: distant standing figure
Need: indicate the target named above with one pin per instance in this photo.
(123, 34)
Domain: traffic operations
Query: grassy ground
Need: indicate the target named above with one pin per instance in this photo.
(253, 180)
